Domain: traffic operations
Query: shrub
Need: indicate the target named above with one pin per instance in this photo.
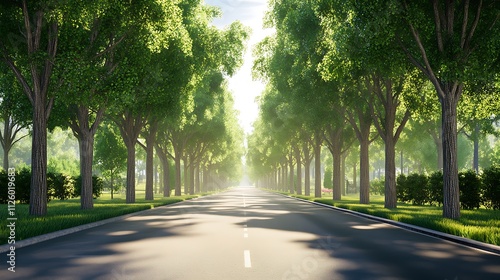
(491, 187)
(402, 190)
(377, 186)
(327, 179)
(470, 185)
(60, 186)
(418, 188)
(97, 186)
(436, 188)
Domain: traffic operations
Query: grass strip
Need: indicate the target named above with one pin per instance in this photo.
(67, 214)
(480, 224)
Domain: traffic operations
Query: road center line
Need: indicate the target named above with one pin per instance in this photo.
(246, 255)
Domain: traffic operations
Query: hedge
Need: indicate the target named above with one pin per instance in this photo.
(59, 186)
(475, 189)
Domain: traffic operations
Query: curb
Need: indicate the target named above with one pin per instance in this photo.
(494, 249)
(48, 236)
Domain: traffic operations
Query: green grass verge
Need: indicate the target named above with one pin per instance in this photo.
(481, 224)
(66, 214)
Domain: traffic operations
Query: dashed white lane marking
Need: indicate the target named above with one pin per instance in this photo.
(248, 261)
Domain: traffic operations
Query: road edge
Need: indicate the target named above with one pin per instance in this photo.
(52, 235)
(490, 248)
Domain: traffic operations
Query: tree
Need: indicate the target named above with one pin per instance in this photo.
(110, 154)
(451, 42)
(31, 55)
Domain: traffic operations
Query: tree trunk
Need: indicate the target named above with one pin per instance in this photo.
(355, 177)
(86, 143)
(165, 170)
(451, 202)
(390, 173)
(191, 177)
(130, 128)
(307, 169)
(364, 172)
(130, 188)
(38, 189)
(85, 132)
(197, 179)
(317, 164)
(292, 179)
(186, 174)
(342, 173)
(475, 134)
(299, 169)
(177, 161)
(150, 143)
(337, 192)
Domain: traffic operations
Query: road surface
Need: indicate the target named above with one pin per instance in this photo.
(247, 233)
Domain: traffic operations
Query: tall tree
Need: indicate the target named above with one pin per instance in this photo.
(30, 52)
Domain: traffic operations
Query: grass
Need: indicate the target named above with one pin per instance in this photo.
(66, 214)
(481, 224)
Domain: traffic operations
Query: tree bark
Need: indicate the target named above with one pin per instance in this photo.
(364, 171)
(475, 135)
(177, 160)
(292, 179)
(451, 194)
(150, 143)
(38, 189)
(299, 169)
(307, 169)
(165, 170)
(334, 139)
(318, 139)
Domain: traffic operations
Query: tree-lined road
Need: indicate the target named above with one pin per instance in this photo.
(246, 233)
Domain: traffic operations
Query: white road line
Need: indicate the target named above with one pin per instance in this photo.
(245, 235)
(246, 255)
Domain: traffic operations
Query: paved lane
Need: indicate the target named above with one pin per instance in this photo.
(249, 234)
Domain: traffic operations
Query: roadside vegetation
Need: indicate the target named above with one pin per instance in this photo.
(480, 224)
(64, 214)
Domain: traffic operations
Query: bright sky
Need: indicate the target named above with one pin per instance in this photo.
(245, 91)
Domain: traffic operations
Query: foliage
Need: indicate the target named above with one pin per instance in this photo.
(436, 188)
(377, 186)
(491, 187)
(470, 189)
(413, 188)
(97, 186)
(60, 186)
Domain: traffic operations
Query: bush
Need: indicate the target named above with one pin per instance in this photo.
(60, 186)
(470, 186)
(402, 191)
(491, 187)
(22, 182)
(97, 186)
(377, 186)
(436, 188)
(327, 179)
(417, 185)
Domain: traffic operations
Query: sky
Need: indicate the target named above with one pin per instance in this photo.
(250, 13)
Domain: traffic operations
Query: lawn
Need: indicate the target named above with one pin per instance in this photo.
(480, 224)
(67, 213)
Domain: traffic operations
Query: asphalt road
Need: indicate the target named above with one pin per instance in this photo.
(246, 233)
